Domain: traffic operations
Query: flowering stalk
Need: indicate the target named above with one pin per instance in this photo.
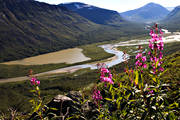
(156, 47)
(140, 66)
(37, 103)
(140, 63)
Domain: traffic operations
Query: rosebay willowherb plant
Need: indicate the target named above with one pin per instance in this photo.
(139, 94)
(156, 46)
(37, 102)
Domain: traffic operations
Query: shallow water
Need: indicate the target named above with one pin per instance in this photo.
(68, 56)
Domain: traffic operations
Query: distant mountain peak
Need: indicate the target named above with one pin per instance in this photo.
(151, 3)
(148, 13)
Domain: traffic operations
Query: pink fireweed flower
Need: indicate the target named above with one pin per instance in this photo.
(104, 70)
(110, 76)
(144, 58)
(138, 55)
(151, 32)
(38, 82)
(140, 63)
(96, 96)
(161, 69)
(106, 79)
(156, 59)
(106, 76)
(137, 62)
(34, 81)
(144, 66)
(149, 53)
(151, 46)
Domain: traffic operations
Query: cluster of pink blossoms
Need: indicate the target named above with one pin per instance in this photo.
(106, 76)
(34, 81)
(156, 46)
(140, 63)
(96, 95)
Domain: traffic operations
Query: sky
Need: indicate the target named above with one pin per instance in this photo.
(118, 5)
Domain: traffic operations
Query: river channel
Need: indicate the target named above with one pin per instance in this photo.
(109, 48)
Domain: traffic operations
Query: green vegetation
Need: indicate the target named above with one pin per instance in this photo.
(9, 71)
(17, 94)
(95, 53)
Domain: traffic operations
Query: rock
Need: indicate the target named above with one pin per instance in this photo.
(63, 105)
(60, 98)
(67, 106)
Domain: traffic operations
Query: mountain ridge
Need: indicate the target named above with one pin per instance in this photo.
(148, 13)
(171, 21)
(95, 14)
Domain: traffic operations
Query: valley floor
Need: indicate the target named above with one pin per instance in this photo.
(62, 83)
(104, 51)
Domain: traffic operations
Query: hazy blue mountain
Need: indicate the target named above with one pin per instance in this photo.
(95, 14)
(149, 13)
(172, 20)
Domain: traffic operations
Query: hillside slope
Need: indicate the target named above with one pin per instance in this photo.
(95, 14)
(28, 28)
(172, 20)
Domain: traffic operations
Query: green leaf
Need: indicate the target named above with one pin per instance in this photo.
(128, 96)
(37, 88)
(132, 100)
(157, 63)
(37, 107)
(137, 77)
(108, 99)
(32, 91)
(142, 81)
(32, 101)
(53, 109)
